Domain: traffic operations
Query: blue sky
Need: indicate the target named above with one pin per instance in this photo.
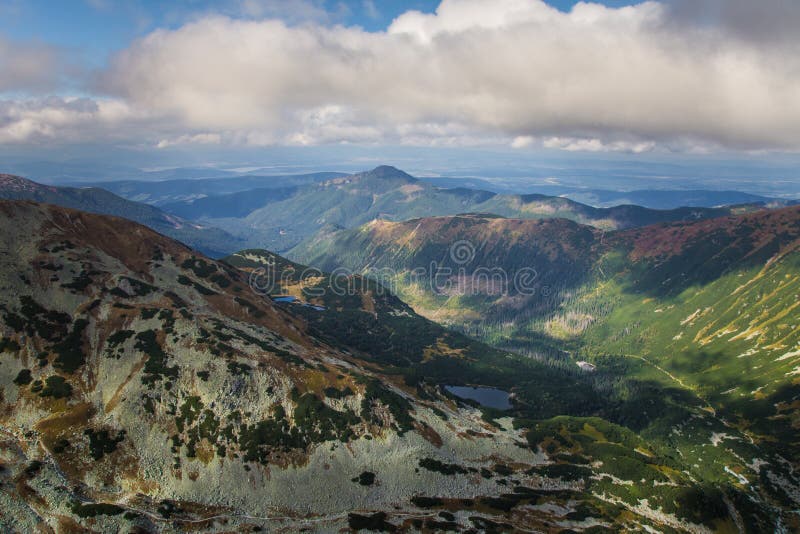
(95, 28)
(661, 80)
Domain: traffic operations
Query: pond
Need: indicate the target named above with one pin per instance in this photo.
(488, 397)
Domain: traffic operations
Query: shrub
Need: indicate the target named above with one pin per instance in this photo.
(56, 387)
(23, 377)
(95, 509)
(8, 345)
(446, 469)
(101, 442)
(367, 478)
(69, 351)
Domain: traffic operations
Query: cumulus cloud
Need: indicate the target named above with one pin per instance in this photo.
(62, 119)
(522, 141)
(201, 139)
(515, 72)
(572, 144)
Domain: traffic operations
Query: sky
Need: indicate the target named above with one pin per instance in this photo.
(661, 79)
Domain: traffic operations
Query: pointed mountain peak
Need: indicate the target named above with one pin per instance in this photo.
(387, 172)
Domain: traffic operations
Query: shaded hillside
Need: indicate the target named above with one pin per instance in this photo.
(467, 270)
(233, 205)
(207, 239)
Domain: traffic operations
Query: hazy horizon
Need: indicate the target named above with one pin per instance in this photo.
(612, 94)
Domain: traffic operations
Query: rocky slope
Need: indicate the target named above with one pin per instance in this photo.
(465, 271)
(206, 238)
(144, 387)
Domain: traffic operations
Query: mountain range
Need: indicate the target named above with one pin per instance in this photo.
(144, 385)
(147, 387)
(169, 189)
(280, 212)
(424, 359)
(663, 199)
(289, 216)
(709, 305)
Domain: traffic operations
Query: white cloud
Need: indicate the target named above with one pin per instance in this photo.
(572, 144)
(62, 119)
(196, 139)
(522, 141)
(513, 72)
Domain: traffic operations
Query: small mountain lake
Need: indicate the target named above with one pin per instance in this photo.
(488, 397)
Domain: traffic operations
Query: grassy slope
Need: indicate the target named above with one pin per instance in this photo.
(650, 430)
(708, 308)
(735, 342)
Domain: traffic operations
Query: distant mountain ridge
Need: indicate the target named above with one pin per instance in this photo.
(280, 212)
(210, 240)
(174, 190)
(663, 199)
(290, 215)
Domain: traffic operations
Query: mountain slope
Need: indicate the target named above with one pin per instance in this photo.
(617, 217)
(207, 239)
(390, 194)
(670, 199)
(230, 205)
(145, 387)
(142, 385)
(715, 303)
(465, 271)
(709, 306)
(649, 405)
